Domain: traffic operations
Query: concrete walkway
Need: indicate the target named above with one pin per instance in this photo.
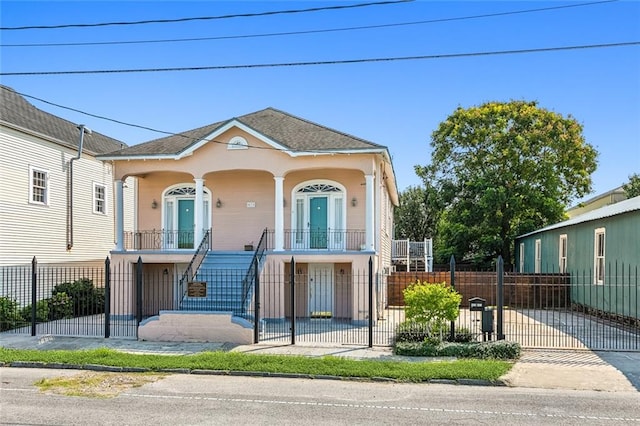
(550, 369)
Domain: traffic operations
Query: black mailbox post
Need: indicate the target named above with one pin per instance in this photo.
(487, 323)
(478, 304)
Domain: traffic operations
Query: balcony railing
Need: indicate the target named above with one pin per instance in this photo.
(158, 239)
(320, 239)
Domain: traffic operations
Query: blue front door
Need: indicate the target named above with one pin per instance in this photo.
(185, 223)
(318, 222)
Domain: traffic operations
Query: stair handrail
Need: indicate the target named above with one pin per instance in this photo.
(255, 260)
(195, 262)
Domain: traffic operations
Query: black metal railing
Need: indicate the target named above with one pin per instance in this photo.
(195, 263)
(158, 239)
(321, 239)
(249, 278)
(332, 305)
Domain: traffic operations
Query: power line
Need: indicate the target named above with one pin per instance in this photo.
(138, 126)
(205, 18)
(326, 30)
(334, 62)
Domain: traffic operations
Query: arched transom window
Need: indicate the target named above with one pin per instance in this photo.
(318, 215)
(178, 211)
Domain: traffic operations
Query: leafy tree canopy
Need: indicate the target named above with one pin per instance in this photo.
(416, 216)
(632, 188)
(503, 169)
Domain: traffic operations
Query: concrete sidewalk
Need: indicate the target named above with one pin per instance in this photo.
(549, 369)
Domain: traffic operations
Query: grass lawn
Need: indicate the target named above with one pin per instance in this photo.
(489, 370)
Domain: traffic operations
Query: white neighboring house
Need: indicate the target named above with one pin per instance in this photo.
(55, 203)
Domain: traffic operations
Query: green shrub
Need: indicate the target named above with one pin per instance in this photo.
(42, 311)
(60, 306)
(9, 314)
(499, 349)
(87, 300)
(431, 306)
(408, 331)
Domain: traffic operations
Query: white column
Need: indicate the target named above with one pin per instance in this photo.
(119, 216)
(369, 212)
(198, 212)
(279, 225)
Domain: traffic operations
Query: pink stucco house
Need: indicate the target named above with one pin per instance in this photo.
(266, 181)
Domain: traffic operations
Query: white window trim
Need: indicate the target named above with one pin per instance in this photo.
(170, 219)
(238, 142)
(562, 260)
(538, 257)
(104, 188)
(334, 218)
(47, 188)
(596, 264)
(521, 258)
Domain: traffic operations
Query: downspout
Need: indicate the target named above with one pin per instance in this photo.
(83, 130)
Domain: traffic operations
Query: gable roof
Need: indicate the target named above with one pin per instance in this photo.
(625, 206)
(277, 128)
(16, 112)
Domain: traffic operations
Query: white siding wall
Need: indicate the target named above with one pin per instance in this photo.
(28, 230)
(386, 227)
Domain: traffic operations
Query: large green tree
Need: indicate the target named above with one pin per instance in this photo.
(503, 169)
(417, 215)
(632, 188)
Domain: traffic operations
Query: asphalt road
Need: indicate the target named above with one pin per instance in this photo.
(205, 400)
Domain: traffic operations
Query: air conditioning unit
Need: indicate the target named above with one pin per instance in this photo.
(388, 270)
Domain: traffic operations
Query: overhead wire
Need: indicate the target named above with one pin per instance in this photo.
(321, 63)
(304, 32)
(205, 18)
(138, 126)
(331, 62)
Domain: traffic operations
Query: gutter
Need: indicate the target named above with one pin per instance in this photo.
(83, 130)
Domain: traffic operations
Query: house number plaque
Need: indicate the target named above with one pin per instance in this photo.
(197, 289)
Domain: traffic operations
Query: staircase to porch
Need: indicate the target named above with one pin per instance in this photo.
(223, 273)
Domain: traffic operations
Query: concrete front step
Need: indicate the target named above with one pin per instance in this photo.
(212, 306)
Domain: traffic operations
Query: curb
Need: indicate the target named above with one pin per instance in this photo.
(113, 369)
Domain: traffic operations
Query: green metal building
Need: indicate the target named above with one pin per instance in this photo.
(600, 250)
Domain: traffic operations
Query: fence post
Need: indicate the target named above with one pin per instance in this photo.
(107, 298)
(256, 292)
(139, 291)
(292, 278)
(34, 298)
(452, 278)
(371, 302)
(499, 298)
(408, 255)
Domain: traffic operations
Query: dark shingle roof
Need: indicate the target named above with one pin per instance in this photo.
(16, 111)
(291, 132)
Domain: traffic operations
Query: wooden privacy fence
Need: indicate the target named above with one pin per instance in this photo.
(539, 291)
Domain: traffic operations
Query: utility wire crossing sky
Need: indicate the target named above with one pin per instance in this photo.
(388, 72)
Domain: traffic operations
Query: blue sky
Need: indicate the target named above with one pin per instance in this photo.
(394, 103)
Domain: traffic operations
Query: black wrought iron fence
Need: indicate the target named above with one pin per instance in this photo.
(326, 303)
(60, 300)
(543, 310)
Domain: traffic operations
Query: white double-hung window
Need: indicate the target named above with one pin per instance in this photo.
(99, 198)
(38, 186)
(598, 251)
(562, 254)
